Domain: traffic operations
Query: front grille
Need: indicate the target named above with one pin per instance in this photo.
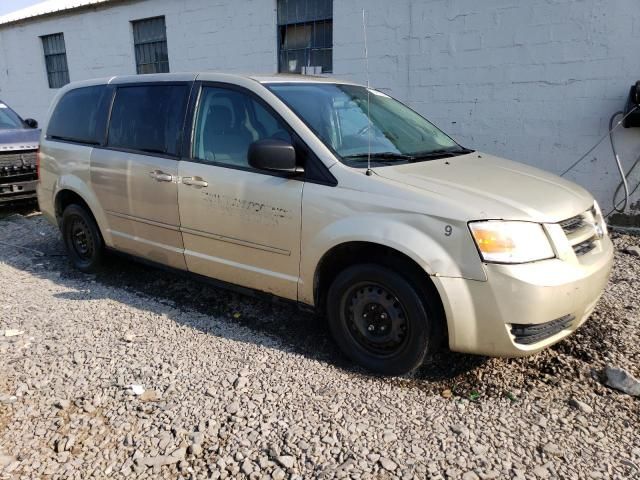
(14, 159)
(16, 174)
(16, 167)
(573, 224)
(527, 334)
(581, 232)
(585, 247)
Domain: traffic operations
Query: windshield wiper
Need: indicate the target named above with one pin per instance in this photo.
(380, 156)
(392, 157)
(440, 153)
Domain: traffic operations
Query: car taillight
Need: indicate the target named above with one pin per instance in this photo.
(38, 164)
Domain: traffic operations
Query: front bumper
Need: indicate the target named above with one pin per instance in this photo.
(17, 191)
(550, 298)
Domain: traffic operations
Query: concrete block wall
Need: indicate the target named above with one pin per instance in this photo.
(534, 81)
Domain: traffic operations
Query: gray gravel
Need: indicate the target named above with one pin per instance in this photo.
(235, 387)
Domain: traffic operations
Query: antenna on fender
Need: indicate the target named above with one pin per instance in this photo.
(366, 60)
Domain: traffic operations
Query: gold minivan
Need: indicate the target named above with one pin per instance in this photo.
(329, 194)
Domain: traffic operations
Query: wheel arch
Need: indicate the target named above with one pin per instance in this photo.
(350, 253)
(66, 196)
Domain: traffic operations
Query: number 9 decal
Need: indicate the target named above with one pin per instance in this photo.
(448, 230)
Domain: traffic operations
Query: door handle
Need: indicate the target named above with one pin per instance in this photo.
(195, 182)
(160, 176)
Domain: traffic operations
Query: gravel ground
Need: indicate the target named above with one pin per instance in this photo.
(237, 387)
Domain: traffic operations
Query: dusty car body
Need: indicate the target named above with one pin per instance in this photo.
(402, 251)
(18, 146)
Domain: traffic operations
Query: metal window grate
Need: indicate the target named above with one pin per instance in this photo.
(150, 43)
(305, 36)
(55, 59)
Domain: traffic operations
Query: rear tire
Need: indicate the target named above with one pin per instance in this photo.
(82, 239)
(379, 319)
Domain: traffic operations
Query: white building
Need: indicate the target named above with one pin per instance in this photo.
(534, 80)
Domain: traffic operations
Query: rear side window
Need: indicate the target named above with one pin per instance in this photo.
(81, 116)
(148, 118)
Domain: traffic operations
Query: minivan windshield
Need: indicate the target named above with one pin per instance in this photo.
(9, 119)
(392, 132)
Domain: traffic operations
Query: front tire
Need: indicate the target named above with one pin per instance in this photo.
(82, 239)
(379, 319)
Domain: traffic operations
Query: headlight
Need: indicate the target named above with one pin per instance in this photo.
(511, 242)
(601, 222)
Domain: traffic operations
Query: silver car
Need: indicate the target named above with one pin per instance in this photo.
(331, 195)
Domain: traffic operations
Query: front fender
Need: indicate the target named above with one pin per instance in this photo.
(438, 250)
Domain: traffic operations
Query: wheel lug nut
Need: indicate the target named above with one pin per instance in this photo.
(371, 328)
(383, 316)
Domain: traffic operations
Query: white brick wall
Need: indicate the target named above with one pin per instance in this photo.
(533, 80)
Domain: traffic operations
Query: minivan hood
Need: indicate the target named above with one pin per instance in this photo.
(19, 139)
(489, 187)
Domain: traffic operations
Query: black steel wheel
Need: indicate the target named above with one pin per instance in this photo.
(82, 238)
(379, 319)
(376, 319)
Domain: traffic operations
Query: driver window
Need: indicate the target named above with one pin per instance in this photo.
(227, 122)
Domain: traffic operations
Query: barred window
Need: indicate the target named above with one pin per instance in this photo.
(55, 59)
(150, 43)
(305, 36)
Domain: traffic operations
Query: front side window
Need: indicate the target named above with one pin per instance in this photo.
(148, 118)
(227, 122)
(150, 43)
(305, 36)
(55, 59)
(80, 116)
(354, 121)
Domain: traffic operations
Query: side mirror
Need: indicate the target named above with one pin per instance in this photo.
(273, 155)
(31, 123)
